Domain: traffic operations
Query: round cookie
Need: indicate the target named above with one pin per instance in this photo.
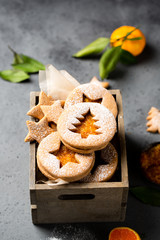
(86, 127)
(92, 92)
(104, 172)
(44, 172)
(57, 161)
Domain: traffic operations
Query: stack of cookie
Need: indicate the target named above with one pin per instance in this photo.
(70, 132)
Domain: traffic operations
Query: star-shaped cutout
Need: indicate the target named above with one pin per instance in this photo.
(53, 112)
(38, 131)
(153, 118)
(36, 111)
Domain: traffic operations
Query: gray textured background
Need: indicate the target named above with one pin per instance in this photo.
(52, 31)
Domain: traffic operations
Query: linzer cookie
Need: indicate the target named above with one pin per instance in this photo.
(86, 127)
(92, 92)
(56, 161)
(105, 167)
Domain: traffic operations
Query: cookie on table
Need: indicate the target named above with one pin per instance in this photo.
(153, 118)
(57, 161)
(105, 167)
(92, 92)
(86, 127)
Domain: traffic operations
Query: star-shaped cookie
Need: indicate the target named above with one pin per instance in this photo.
(36, 111)
(103, 84)
(38, 131)
(153, 118)
(53, 112)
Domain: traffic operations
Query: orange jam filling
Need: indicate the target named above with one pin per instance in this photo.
(86, 99)
(87, 126)
(65, 155)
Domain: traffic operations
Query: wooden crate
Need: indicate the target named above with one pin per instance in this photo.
(82, 202)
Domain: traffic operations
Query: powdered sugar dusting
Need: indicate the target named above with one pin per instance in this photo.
(38, 131)
(72, 232)
(90, 90)
(70, 171)
(105, 121)
(93, 92)
(53, 112)
(104, 172)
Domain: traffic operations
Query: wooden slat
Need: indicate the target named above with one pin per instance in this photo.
(105, 206)
(32, 165)
(121, 135)
(32, 158)
(114, 91)
(34, 214)
(102, 185)
(124, 203)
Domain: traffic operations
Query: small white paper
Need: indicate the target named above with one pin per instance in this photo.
(55, 83)
(54, 182)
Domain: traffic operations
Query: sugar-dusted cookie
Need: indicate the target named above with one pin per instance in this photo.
(105, 167)
(36, 111)
(44, 172)
(153, 118)
(102, 84)
(86, 127)
(57, 161)
(92, 92)
(38, 130)
(53, 111)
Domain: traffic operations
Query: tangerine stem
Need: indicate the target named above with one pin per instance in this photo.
(124, 37)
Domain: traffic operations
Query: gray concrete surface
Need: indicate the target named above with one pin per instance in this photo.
(52, 31)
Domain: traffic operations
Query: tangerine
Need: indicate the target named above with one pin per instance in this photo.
(135, 47)
(150, 162)
(123, 233)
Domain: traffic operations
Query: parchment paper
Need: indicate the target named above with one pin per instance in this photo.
(55, 83)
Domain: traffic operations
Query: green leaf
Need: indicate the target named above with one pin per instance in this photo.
(29, 65)
(17, 58)
(14, 75)
(26, 67)
(93, 48)
(36, 63)
(133, 39)
(108, 61)
(147, 195)
(127, 58)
